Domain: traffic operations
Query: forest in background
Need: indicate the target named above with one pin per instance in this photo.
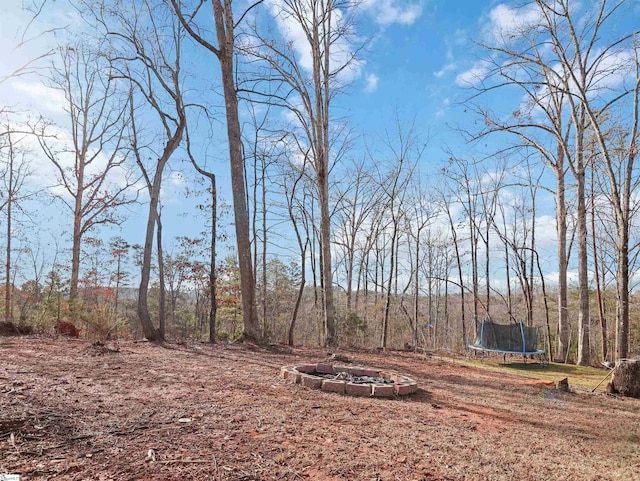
(340, 243)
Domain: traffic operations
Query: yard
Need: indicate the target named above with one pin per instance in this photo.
(73, 410)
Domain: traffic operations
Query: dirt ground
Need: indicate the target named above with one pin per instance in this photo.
(72, 410)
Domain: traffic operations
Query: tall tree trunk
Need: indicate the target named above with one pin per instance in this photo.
(584, 321)
(254, 229)
(213, 277)
(532, 263)
(594, 244)
(563, 304)
(387, 306)
(264, 252)
(77, 237)
(9, 204)
(303, 280)
(454, 239)
(224, 21)
(487, 262)
(446, 298)
(148, 328)
(162, 314)
(416, 294)
(622, 321)
(351, 262)
(327, 274)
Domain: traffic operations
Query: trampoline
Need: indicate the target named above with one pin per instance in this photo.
(514, 338)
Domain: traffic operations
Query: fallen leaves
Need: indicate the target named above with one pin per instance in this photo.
(223, 413)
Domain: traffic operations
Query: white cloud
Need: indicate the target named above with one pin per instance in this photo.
(607, 76)
(443, 108)
(387, 12)
(474, 76)
(613, 69)
(506, 22)
(372, 83)
(47, 100)
(177, 179)
(546, 233)
(447, 68)
(343, 57)
(173, 189)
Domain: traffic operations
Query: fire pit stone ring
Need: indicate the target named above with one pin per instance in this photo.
(350, 380)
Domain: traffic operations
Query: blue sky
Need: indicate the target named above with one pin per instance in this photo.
(420, 55)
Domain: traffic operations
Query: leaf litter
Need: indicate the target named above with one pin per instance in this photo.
(71, 410)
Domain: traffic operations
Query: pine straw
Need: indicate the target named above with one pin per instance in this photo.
(223, 413)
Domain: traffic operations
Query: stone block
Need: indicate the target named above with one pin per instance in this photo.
(311, 381)
(306, 368)
(331, 385)
(324, 368)
(353, 370)
(371, 373)
(353, 389)
(383, 390)
(292, 376)
(405, 388)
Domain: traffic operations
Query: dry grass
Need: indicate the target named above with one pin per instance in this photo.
(69, 411)
(578, 375)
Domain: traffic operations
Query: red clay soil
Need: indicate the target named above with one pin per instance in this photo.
(72, 410)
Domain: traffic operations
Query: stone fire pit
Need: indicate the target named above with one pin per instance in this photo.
(350, 380)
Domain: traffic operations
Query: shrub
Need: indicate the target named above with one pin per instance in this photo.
(68, 329)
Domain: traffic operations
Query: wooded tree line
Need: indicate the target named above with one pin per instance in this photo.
(334, 244)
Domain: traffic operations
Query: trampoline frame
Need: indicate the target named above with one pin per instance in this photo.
(523, 352)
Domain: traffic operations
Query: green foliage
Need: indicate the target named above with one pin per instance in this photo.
(185, 325)
(351, 327)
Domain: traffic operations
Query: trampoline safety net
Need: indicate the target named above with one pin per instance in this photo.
(516, 337)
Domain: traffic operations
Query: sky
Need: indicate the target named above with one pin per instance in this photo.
(418, 62)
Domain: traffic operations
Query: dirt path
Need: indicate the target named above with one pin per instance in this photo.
(73, 411)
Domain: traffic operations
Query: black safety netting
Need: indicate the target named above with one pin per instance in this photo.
(515, 337)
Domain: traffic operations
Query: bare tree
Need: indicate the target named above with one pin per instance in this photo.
(447, 202)
(584, 61)
(264, 148)
(213, 278)
(119, 250)
(92, 171)
(356, 202)
(464, 191)
(616, 134)
(558, 60)
(24, 37)
(14, 172)
(293, 180)
(146, 43)
(617, 151)
(420, 216)
(309, 84)
(406, 151)
(223, 47)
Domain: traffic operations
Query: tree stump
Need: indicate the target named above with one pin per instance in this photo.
(626, 377)
(563, 385)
